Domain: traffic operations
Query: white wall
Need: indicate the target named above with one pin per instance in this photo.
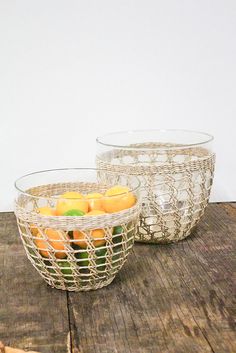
(72, 70)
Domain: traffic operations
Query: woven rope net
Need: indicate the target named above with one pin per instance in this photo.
(67, 264)
(175, 186)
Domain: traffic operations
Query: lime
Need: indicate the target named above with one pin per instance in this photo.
(101, 258)
(65, 268)
(47, 263)
(74, 213)
(83, 258)
(116, 231)
(117, 255)
(52, 271)
(70, 234)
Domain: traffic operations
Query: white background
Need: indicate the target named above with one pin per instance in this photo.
(73, 70)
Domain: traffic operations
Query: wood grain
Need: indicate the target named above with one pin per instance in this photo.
(177, 298)
(167, 299)
(32, 315)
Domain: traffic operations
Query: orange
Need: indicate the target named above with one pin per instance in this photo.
(98, 234)
(71, 201)
(95, 233)
(95, 213)
(42, 246)
(46, 211)
(56, 239)
(34, 230)
(81, 241)
(80, 238)
(118, 198)
(94, 201)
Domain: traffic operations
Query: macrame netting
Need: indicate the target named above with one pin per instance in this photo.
(175, 186)
(83, 268)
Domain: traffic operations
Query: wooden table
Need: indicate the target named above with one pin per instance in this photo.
(167, 299)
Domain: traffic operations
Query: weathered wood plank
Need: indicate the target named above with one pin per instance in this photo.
(167, 299)
(32, 315)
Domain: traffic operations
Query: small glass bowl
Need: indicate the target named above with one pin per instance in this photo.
(73, 251)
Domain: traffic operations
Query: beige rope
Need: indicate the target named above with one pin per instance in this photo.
(89, 268)
(175, 186)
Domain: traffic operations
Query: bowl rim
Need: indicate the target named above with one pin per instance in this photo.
(23, 192)
(208, 138)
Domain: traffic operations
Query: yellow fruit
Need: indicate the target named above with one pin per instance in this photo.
(95, 233)
(56, 238)
(42, 246)
(33, 230)
(71, 201)
(118, 198)
(80, 238)
(95, 213)
(72, 195)
(46, 211)
(98, 234)
(94, 201)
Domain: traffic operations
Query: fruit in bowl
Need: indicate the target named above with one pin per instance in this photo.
(54, 242)
(96, 235)
(73, 203)
(118, 198)
(71, 200)
(51, 238)
(94, 201)
(67, 218)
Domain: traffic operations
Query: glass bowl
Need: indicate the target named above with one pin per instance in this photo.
(176, 169)
(77, 242)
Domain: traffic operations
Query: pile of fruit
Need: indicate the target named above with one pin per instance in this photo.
(75, 204)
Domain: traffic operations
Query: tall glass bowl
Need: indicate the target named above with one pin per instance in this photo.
(176, 169)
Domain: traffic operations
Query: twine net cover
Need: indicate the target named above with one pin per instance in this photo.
(82, 269)
(175, 186)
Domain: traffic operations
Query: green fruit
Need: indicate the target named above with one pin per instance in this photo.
(52, 272)
(74, 213)
(116, 231)
(70, 233)
(83, 258)
(47, 263)
(30, 251)
(117, 255)
(101, 259)
(100, 252)
(65, 267)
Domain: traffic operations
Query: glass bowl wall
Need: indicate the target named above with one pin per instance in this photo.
(176, 169)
